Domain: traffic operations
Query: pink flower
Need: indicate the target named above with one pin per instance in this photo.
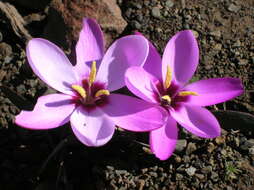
(85, 99)
(164, 82)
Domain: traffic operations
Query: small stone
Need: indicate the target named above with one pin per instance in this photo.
(179, 176)
(181, 144)
(243, 62)
(206, 169)
(178, 159)
(5, 50)
(136, 24)
(156, 12)
(190, 171)
(251, 151)
(218, 47)
(215, 176)
(237, 43)
(233, 8)
(220, 140)
(200, 176)
(216, 33)
(191, 148)
(169, 4)
(195, 33)
(210, 147)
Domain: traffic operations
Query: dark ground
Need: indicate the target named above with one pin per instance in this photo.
(225, 31)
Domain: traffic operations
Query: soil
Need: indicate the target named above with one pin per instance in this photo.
(54, 159)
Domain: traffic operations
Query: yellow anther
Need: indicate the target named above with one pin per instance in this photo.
(167, 98)
(168, 77)
(80, 90)
(92, 73)
(187, 93)
(102, 92)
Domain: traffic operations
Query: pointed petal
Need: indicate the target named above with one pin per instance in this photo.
(128, 51)
(141, 83)
(134, 114)
(90, 46)
(50, 111)
(153, 62)
(51, 65)
(92, 128)
(214, 91)
(182, 54)
(197, 120)
(163, 140)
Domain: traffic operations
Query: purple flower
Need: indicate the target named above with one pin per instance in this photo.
(164, 82)
(85, 99)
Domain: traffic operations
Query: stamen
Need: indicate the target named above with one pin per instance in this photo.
(168, 77)
(102, 92)
(167, 98)
(80, 90)
(187, 93)
(92, 73)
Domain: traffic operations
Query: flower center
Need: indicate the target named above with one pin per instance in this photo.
(91, 93)
(169, 93)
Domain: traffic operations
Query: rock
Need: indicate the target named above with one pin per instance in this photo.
(178, 159)
(200, 176)
(218, 47)
(191, 148)
(181, 144)
(190, 171)
(251, 151)
(169, 3)
(220, 140)
(206, 169)
(210, 147)
(237, 43)
(136, 24)
(243, 62)
(106, 12)
(156, 12)
(5, 50)
(233, 8)
(216, 33)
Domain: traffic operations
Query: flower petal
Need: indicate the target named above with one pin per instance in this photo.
(153, 61)
(128, 51)
(51, 65)
(182, 55)
(134, 114)
(50, 111)
(90, 46)
(92, 128)
(163, 140)
(197, 120)
(214, 91)
(141, 83)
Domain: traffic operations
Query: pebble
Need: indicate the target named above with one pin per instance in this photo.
(210, 147)
(156, 13)
(251, 151)
(181, 145)
(191, 148)
(169, 4)
(218, 47)
(136, 24)
(216, 33)
(243, 62)
(220, 140)
(5, 50)
(190, 171)
(200, 176)
(206, 169)
(233, 8)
